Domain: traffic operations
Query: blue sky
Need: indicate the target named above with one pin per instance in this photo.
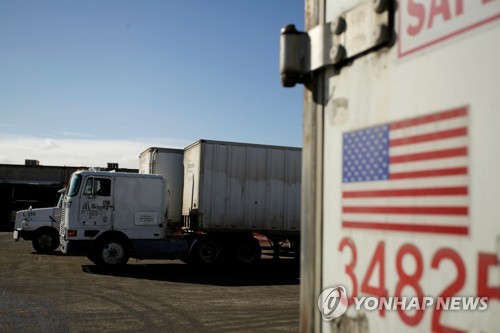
(90, 82)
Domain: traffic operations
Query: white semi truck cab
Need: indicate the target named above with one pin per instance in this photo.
(111, 216)
(40, 225)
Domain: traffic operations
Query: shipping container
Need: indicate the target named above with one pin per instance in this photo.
(400, 176)
(168, 163)
(242, 187)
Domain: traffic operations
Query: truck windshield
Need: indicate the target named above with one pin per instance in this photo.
(74, 185)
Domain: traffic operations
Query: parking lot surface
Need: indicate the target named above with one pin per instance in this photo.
(57, 293)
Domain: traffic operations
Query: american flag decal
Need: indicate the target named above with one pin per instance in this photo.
(408, 176)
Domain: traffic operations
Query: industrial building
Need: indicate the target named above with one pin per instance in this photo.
(35, 185)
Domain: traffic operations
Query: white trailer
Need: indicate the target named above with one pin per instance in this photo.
(40, 225)
(167, 162)
(400, 174)
(232, 191)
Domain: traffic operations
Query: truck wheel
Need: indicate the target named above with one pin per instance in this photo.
(111, 252)
(248, 251)
(209, 252)
(45, 241)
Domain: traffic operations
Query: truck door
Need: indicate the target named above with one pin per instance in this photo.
(96, 207)
(400, 172)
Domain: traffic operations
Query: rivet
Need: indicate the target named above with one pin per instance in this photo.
(337, 53)
(339, 25)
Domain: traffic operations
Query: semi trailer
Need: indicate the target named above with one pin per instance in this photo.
(400, 172)
(167, 162)
(204, 208)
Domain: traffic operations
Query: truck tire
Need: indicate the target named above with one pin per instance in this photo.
(208, 252)
(248, 251)
(111, 253)
(45, 240)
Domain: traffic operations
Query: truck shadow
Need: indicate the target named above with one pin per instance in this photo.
(56, 253)
(266, 272)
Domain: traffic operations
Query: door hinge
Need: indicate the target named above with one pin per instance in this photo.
(356, 32)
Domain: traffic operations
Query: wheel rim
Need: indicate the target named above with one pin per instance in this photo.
(209, 252)
(247, 252)
(45, 241)
(112, 253)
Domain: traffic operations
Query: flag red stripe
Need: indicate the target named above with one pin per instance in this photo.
(417, 210)
(455, 113)
(429, 173)
(453, 133)
(437, 229)
(429, 155)
(406, 192)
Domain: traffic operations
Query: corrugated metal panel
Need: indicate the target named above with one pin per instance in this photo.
(243, 186)
(167, 162)
(145, 161)
(191, 179)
